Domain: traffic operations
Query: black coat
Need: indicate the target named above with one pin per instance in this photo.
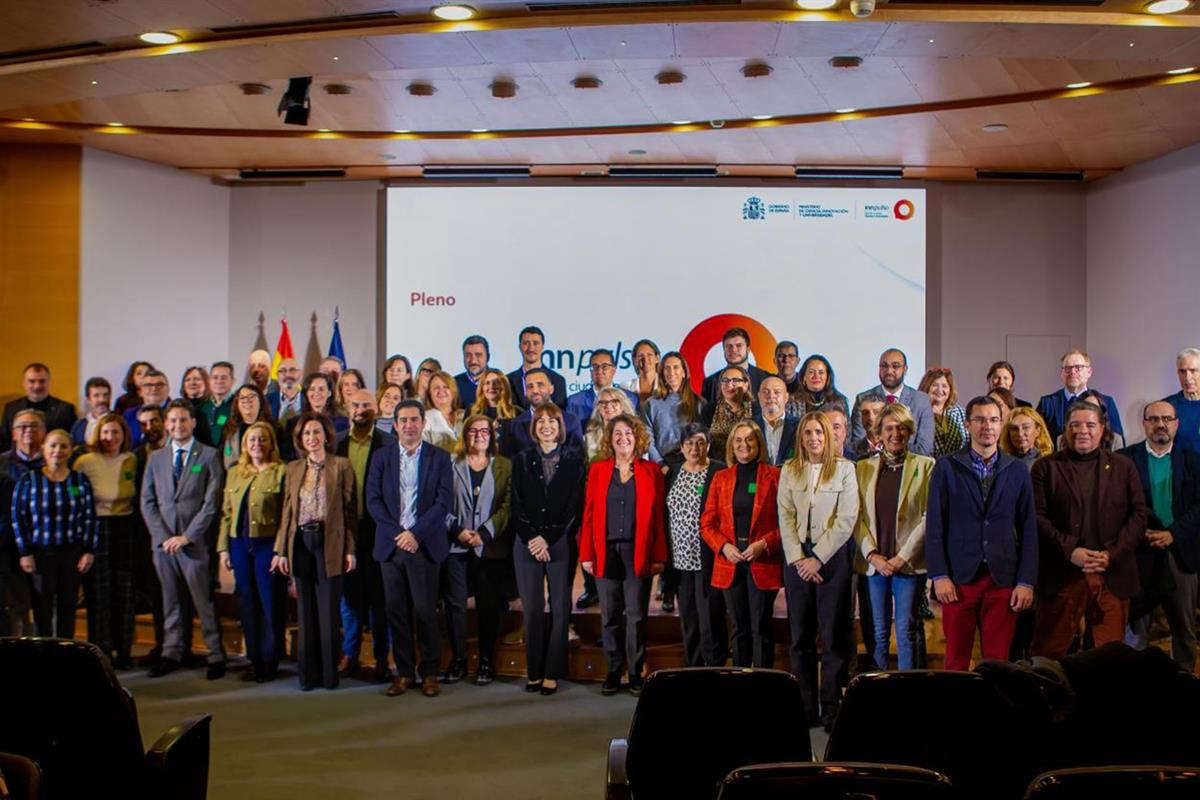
(550, 511)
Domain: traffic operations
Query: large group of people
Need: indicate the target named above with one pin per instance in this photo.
(1035, 526)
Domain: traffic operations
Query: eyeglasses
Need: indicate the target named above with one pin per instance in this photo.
(609, 403)
(1074, 367)
(480, 433)
(1160, 420)
(427, 370)
(982, 420)
(892, 364)
(732, 381)
(601, 367)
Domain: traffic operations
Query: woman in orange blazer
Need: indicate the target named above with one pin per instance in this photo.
(741, 524)
(621, 542)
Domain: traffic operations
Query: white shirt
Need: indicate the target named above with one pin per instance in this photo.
(409, 465)
(1163, 454)
(176, 447)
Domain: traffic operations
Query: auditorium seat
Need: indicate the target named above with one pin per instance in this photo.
(692, 727)
(830, 781)
(1142, 783)
(22, 778)
(955, 723)
(80, 726)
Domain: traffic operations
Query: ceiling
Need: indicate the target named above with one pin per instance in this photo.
(984, 64)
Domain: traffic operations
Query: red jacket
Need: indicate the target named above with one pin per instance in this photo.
(649, 543)
(716, 527)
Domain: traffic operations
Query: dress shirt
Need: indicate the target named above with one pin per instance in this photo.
(773, 432)
(294, 405)
(177, 446)
(409, 466)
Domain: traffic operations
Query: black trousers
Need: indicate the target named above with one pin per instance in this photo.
(56, 590)
(537, 581)
(866, 625)
(702, 618)
(452, 587)
(410, 584)
(624, 606)
(751, 609)
(317, 597)
(825, 609)
(589, 580)
(491, 600)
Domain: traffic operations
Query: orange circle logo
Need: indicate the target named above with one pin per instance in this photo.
(709, 332)
(904, 209)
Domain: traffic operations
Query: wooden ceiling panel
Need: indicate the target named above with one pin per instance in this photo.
(813, 39)
(971, 77)
(449, 109)
(329, 58)
(827, 143)
(538, 44)
(1025, 127)
(878, 82)
(1117, 151)
(625, 42)
(700, 98)
(155, 15)
(932, 40)
(723, 147)
(1030, 41)
(1148, 42)
(1173, 106)
(787, 90)
(433, 50)
(26, 23)
(1019, 157)
(901, 140)
(1103, 115)
(745, 40)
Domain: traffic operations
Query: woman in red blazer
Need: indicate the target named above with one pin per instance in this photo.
(741, 524)
(621, 542)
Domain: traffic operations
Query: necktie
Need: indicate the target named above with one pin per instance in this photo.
(891, 398)
(179, 454)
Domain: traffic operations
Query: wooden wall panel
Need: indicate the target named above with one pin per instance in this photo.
(39, 264)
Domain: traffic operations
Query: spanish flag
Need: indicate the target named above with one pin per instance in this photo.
(283, 349)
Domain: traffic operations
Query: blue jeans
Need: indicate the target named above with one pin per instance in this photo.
(261, 597)
(901, 590)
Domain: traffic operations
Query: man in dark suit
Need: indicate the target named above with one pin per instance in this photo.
(531, 340)
(181, 495)
(736, 345)
(893, 367)
(363, 602)
(1091, 515)
(778, 427)
(537, 390)
(29, 432)
(475, 353)
(1167, 554)
(410, 495)
(287, 399)
(603, 368)
(1076, 368)
(56, 413)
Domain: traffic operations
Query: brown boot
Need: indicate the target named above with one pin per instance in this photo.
(398, 687)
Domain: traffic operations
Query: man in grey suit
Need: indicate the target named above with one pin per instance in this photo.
(181, 493)
(893, 366)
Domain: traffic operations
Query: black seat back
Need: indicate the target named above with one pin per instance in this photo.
(834, 781)
(692, 727)
(65, 710)
(954, 723)
(1142, 783)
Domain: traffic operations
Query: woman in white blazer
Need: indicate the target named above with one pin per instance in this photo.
(818, 507)
(893, 487)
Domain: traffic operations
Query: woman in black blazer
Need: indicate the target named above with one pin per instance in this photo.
(547, 486)
(701, 607)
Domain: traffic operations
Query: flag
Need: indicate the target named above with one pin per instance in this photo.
(283, 349)
(335, 343)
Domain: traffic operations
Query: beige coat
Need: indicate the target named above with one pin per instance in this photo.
(340, 504)
(833, 507)
(910, 514)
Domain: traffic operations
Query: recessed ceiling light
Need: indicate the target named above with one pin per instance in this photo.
(816, 5)
(1131, 44)
(931, 41)
(762, 116)
(637, 151)
(1168, 6)
(335, 58)
(1181, 71)
(995, 127)
(323, 130)
(116, 124)
(159, 37)
(402, 130)
(479, 130)
(1079, 85)
(453, 13)
(95, 83)
(682, 122)
(388, 156)
(844, 110)
(622, 43)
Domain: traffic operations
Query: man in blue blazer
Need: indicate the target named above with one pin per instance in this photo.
(893, 367)
(410, 495)
(516, 431)
(476, 352)
(531, 340)
(778, 427)
(735, 344)
(603, 367)
(981, 540)
(1076, 371)
(1167, 556)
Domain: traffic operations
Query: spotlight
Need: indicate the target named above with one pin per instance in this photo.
(1167, 6)
(159, 37)
(862, 8)
(816, 5)
(453, 13)
(295, 105)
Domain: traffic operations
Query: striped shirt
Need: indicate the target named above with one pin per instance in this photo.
(50, 514)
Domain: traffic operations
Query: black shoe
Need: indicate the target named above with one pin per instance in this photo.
(668, 605)
(635, 686)
(483, 676)
(533, 686)
(165, 666)
(587, 600)
(456, 671)
(923, 609)
(123, 664)
(215, 671)
(828, 725)
(612, 684)
(252, 674)
(270, 673)
(549, 690)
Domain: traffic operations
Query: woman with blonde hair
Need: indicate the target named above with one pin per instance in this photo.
(425, 371)
(1025, 436)
(610, 403)
(349, 382)
(893, 492)
(949, 418)
(818, 507)
(443, 414)
(250, 514)
(386, 398)
(734, 404)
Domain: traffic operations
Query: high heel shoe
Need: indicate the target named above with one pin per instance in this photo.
(533, 687)
(549, 690)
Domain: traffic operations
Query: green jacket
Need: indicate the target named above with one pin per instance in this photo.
(265, 503)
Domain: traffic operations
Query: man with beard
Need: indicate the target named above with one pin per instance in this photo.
(893, 366)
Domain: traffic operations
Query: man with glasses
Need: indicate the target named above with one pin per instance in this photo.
(893, 367)
(155, 391)
(56, 413)
(981, 540)
(287, 401)
(531, 341)
(28, 431)
(1167, 554)
(1091, 516)
(736, 346)
(603, 367)
(216, 409)
(1187, 400)
(1076, 367)
(787, 362)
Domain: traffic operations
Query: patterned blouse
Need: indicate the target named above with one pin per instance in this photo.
(312, 494)
(724, 418)
(684, 503)
(949, 431)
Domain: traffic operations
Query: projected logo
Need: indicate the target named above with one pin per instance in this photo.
(754, 208)
(904, 209)
(709, 332)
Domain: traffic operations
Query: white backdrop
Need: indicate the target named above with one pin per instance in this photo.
(839, 271)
